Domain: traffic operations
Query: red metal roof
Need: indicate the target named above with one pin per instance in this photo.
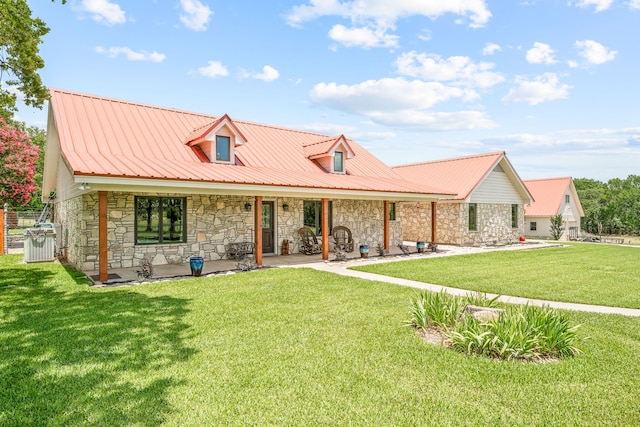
(548, 194)
(114, 138)
(459, 175)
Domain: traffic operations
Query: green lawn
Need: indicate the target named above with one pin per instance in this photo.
(581, 273)
(278, 347)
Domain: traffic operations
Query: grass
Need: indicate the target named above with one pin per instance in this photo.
(278, 347)
(580, 273)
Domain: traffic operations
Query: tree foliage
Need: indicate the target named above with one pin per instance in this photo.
(556, 227)
(18, 165)
(20, 60)
(615, 204)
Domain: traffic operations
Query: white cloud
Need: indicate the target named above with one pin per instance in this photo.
(460, 70)
(195, 15)
(634, 4)
(594, 52)
(540, 53)
(214, 69)
(366, 37)
(434, 120)
(104, 11)
(372, 19)
(384, 95)
(546, 87)
(600, 5)
(401, 103)
(491, 48)
(268, 74)
(132, 55)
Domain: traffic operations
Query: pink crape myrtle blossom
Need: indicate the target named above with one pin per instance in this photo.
(18, 161)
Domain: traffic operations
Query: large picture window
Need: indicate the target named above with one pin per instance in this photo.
(473, 216)
(313, 216)
(160, 220)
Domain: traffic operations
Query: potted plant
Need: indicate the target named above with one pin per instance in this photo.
(364, 251)
(420, 245)
(196, 263)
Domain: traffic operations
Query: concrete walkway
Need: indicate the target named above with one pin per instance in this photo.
(343, 268)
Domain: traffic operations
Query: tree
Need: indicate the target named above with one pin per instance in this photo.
(18, 164)
(556, 227)
(20, 37)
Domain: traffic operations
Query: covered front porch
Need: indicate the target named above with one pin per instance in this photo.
(127, 276)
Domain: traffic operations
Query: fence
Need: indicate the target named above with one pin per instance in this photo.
(13, 223)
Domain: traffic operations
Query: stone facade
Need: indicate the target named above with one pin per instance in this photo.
(493, 224)
(212, 222)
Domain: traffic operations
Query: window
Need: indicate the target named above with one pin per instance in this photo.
(223, 148)
(313, 216)
(514, 216)
(566, 198)
(392, 211)
(160, 220)
(473, 216)
(533, 226)
(338, 161)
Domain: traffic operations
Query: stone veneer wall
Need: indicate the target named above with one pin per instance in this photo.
(416, 222)
(212, 223)
(69, 213)
(494, 224)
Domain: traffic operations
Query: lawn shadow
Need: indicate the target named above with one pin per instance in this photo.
(72, 356)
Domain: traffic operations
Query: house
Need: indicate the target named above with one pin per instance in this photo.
(136, 181)
(553, 196)
(488, 206)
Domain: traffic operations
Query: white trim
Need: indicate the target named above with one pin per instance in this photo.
(203, 187)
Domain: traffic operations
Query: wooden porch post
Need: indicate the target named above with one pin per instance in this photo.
(434, 221)
(386, 226)
(257, 220)
(103, 275)
(325, 229)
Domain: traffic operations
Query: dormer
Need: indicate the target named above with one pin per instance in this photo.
(217, 140)
(331, 154)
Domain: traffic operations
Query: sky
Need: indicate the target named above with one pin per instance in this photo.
(554, 84)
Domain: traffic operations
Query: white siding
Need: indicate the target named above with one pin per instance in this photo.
(496, 189)
(543, 227)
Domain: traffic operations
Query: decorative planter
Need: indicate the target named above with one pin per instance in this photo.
(196, 263)
(420, 246)
(364, 251)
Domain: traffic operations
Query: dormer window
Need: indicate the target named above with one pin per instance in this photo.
(331, 154)
(217, 141)
(338, 161)
(223, 148)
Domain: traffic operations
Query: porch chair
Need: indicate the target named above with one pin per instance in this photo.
(342, 238)
(309, 244)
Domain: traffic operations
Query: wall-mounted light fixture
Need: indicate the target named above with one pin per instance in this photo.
(247, 207)
(85, 186)
(285, 207)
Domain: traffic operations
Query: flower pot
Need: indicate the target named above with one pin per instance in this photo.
(196, 263)
(420, 246)
(364, 251)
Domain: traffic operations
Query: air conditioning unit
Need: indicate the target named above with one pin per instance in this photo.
(39, 244)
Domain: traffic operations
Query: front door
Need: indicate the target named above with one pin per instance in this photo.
(268, 246)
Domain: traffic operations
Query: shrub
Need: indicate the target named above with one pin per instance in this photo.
(521, 333)
(435, 309)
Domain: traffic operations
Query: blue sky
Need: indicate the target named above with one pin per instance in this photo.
(552, 83)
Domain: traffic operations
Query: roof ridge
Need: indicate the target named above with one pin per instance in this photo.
(547, 179)
(121, 101)
(451, 159)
